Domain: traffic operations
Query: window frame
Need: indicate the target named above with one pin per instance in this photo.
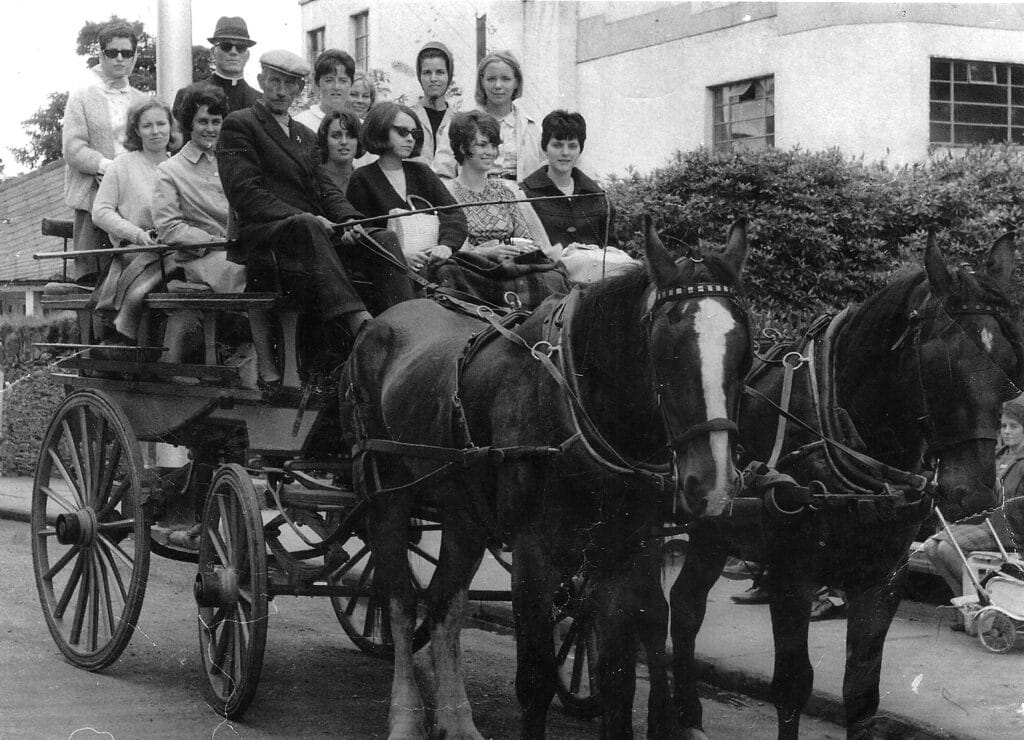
(963, 93)
(726, 104)
(360, 26)
(316, 44)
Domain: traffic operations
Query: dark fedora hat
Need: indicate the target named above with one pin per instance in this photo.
(231, 29)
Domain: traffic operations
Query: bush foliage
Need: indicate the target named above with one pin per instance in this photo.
(826, 230)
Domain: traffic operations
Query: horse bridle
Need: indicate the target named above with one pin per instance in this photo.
(915, 326)
(660, 297)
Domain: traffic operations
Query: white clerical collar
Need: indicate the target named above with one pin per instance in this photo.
(233, 80)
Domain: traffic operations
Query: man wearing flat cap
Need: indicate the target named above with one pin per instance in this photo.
(286, 206)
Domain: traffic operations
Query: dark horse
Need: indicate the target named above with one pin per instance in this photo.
(917, 373)
(601, 414)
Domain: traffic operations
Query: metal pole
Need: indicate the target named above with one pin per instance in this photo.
(174, 47)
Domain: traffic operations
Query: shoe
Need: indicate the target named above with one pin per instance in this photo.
(753, 595)
(271, 389)
(740, 570)
(827, 605)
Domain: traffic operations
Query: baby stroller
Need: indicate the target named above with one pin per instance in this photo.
(995, 611)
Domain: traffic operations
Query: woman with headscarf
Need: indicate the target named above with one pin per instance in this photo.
(434, 71)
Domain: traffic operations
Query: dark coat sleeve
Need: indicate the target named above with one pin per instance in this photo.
(336, 206)
(241, 174)
(364, 196)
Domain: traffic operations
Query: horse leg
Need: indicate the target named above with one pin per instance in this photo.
(653, 627)
(689, 598)
(388, 524)
(534, 581)
(616, 600)
(790, 603)
(461, 552)
(870, 613)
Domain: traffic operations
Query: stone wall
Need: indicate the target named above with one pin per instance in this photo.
(29, 397)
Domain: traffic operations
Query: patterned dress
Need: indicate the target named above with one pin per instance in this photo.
(497, 221)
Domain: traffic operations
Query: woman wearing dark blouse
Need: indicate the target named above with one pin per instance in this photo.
(392, 131)
(585, 220)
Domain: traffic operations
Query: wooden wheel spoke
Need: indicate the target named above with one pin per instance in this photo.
(107, 602)
(218, 545)
(350, 563)
(76, 459)
(58, 499)
(99, 457)
(224, 528)
(94, 602)
(59, 565)
(577, 667)
(72, 486)
(111, 500)
(83, 596)
(237, 647)
(115, 571)
(221, 645)
(69, 588)
(423, 554)
(568, 643)
(114, 549)
(243, 625)
(87, 456)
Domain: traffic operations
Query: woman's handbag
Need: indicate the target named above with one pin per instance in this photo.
(415, 232)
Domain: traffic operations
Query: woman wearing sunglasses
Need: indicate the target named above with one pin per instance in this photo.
(393, 182)
(94, 128)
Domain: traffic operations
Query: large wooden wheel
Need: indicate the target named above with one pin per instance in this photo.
(90, 539)
(576, 649)
(365, 616)
(231, 592)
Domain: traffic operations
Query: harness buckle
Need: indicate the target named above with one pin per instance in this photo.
(794, 360)
(513, 300)
(538, 349)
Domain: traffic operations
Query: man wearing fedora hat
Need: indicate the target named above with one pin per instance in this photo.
(287, 207)
(229, 52)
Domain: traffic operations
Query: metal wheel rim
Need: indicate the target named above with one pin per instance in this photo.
(576, 655)
(232, 638)
(90, 470)
(996, 631)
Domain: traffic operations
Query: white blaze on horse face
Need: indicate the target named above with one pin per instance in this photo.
(986, 340)
(712, 323)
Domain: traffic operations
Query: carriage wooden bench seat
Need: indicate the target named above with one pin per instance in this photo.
(210, 306)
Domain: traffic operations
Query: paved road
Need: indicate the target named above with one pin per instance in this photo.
(315, 683)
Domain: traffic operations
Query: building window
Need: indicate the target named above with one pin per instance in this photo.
(744, 115)
(315, 42)
(361, 39)
(976, 103)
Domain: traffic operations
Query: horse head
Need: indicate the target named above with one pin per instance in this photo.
(700, 352)
(969, 361)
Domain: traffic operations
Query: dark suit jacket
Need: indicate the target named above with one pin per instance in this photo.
(239, 92)
(268, 176)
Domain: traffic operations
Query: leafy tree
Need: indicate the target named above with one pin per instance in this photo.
(44, 132)
(45, 127)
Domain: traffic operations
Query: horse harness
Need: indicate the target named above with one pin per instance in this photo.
(585, 436)
(874, 491)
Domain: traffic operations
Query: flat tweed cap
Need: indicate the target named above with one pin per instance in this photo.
(285, 62)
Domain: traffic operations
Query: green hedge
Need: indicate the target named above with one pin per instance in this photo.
(826, 230)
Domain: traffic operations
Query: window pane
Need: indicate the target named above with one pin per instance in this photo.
(719, 114)
(1017, 74)
(960, 71)
(745, 111)
(981, 72)
(744, 129)
(979, 93)
(743, 114)
(1017, 136)
(979, 114)
(979, 134)
(940, 69)
(1017, 116)
(769, 127)
(941, 112)
(1017, 95)
(939, 91)
(940, 134)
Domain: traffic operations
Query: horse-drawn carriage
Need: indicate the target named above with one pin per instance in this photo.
(573, 436)
(263, 504)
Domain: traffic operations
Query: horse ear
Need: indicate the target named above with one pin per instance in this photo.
(999, 263)
(935, 266)
(660, 264)
(735, 253)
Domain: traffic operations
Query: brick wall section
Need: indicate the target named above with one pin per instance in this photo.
(25, 201)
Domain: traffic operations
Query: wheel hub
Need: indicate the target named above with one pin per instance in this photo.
(216, 589)
(78, 528)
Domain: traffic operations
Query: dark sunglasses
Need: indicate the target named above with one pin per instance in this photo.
(115, 53)
(415, 133)
(227, 46)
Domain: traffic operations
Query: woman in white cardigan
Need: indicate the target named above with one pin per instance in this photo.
(94, 124)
